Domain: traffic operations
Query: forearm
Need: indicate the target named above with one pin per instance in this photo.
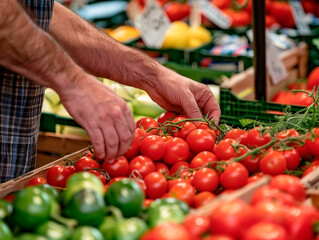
(99, 54)
(30, 51)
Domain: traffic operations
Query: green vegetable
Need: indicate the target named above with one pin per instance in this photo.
(87, 207)
(107, 227)
(87, 233)
(82, 180)
(5, 232)
(53, 231)
(166, 209)
(30, 236)
(6, 209)
(32, 206)
(126, 195)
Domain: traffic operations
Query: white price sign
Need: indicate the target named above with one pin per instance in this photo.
(153, 24)
(275, 66)
(214, 14)
(300, 17)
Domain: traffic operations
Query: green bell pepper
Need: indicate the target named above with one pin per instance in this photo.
(5, 232)
(87, 232)
(126, 195)
(6, 209)
(53, 231)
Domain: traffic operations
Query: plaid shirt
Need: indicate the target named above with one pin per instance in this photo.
(20, 108)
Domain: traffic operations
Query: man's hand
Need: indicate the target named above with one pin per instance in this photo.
(104, 115)
(176, 93)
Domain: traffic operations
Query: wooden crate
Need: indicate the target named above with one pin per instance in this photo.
(296, 62)
(20, 182)
(52, 146)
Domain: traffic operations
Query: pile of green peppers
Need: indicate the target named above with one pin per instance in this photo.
(85, 211)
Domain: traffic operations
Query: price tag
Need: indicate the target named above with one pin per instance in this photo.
(214, 14)
(153, 24)
(300, 17)
(275, 66)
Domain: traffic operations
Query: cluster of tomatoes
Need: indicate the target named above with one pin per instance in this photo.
(192, 161)
(275, 211)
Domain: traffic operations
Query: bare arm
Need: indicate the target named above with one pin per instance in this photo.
(102, 56)
(30, 51)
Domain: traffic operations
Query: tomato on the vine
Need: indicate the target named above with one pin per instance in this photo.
(135, 145)
(179, 167)
(205, 179)
(234, 176)
(183, 191)
(85, 163)
(162, 168)
(225, 149)
(118, 167)
(203, 198)
(186, 129)
(57, 175)
(292, 157)
(156, 185)
(200, 140)
(203, 159)
(265, 230)
(36, 181)
(147, 123)
(256, 138)
(153, 146)
(143, 164)
(197, 225)
(100, 175)
(273, 163)
(202, 125)
(166, 116)
(176, 149)
(236, 133)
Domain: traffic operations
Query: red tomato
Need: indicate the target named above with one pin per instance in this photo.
(179, 167)
(36, 181)
(174, 181)
(186, 129)
(176, 11)
(289, 133)
(313, 166)
(234, 176)
(167, 231)
(134, 147)
(289, 184)
(224, 150)
(231, 218)
(313, 78)
(197, 225)
(252, 164)
(236, 133)
(267, 192)
(309, 6)
(202, 198)
(292, 157)
(283, 14)
(256, 139)
(200, 140)
(183, 191)
(255, 177)
(203, 159)
(166, 116)
(86, 163)
(100, 175)
(118, 167)
(147, 123)
(270, 210)
(266, 231)
(176, 149)
(270, 21)
(156, 185)
(205, 179)
(300, 221)
(162, 168)
(147, 202)
(142, 133)
(153, 146)
(115, 180)
(143, 164)
(207, 128)
(57, 175)
(273, 163)
(313, 144)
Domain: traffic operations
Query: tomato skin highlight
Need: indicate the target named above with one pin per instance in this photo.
(234, 176)
(153, 146)
(156, 185)
(176, 149)
(205, 179)
(273, 163)
(200, 140)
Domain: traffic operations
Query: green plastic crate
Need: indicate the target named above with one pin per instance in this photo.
(199, 74)
(234, 109)
(49, 121)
